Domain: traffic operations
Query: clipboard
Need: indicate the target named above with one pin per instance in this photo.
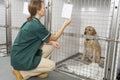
(67, 10)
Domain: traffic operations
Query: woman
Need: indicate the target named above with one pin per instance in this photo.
(27, 59)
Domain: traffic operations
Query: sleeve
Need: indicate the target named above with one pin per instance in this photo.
(43, 34)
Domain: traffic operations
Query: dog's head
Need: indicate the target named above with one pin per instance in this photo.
(89, 30)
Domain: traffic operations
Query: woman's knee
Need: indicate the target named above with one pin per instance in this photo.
(47, 50)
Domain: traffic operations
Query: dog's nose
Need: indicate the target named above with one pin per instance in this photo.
(84, 33)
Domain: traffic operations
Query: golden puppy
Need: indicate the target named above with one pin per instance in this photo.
(92, 49)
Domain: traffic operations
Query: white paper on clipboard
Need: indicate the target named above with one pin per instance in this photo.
(25, 8)
(67, 10)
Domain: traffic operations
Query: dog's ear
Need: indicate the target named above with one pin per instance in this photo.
(94, 32)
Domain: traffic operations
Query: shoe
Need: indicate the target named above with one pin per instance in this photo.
(17, 75)
(43, 75)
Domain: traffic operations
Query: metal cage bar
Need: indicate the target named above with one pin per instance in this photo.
(8, 26)
(112, 48)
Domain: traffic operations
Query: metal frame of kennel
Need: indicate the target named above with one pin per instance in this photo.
(110, 73)
(5, 47)
(8, 26)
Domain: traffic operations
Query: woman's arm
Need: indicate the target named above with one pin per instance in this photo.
(59, 33)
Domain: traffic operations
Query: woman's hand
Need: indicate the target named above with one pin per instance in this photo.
(55, 44)
(67, 22)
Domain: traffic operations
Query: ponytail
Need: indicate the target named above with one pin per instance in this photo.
(29, 18)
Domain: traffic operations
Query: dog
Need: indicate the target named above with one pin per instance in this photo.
(92, 48)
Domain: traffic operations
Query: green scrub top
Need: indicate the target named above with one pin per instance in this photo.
(25, 52)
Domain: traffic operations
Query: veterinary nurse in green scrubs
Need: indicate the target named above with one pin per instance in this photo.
(34, 44)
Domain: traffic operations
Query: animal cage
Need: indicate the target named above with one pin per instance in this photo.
(96, 13)
(102, 15)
